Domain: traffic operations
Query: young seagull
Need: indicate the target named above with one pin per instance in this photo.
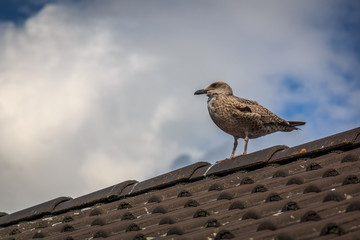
(240, 117)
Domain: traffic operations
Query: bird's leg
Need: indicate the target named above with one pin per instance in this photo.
(233, 151)
(246, 139)
(246, 143)
(234, 148)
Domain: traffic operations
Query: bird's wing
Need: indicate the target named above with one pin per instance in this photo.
(245, 106)
(267, 117)
(244, 101)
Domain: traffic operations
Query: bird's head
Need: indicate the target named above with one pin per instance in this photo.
(216, 88)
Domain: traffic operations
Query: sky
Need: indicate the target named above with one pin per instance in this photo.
(93, 93)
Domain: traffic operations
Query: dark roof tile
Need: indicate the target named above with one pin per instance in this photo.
(295, 180)
(354, 206)
(201, 213)
(14, 231)
(200, 172)
(313, 166)
(250, 215)
(312, 188)
(216, 187)
(246, 180)
(350, 158)
(310, 216)
(175, 231)
(100, 234)
(184, 193)
(280, 173)
(95, 212)
(225, 195)
(154, 199)
(357, 140)
(104, 195)
(267, 225)
(259, 188)
(67, 228)
(128, 216)
(179, 175)
(330, 173)
(167, 220)
(159, 209)
(351, 179)
(98, 222)
(191, 203)
(333, 196)
(337, 141)
(132, 227)
(39, 234)
(32, 212)
(124, 205)
(224, 234)
(290, 206)
(245, 161)
(332, 228)
(236, 205)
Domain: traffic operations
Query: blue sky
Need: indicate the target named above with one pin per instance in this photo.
(92, 94)
(18, 11)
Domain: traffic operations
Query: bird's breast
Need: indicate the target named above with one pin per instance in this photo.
(222, 116)
(213, 107)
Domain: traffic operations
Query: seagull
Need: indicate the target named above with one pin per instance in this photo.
(242, 118)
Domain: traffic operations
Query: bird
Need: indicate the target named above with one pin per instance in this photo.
(240, 117)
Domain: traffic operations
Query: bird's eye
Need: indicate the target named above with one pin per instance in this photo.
(214, 85)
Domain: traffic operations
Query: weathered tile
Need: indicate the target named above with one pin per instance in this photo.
(32, 212)
(334, 142)
(104, 195)
(179, 175)
(199, 173)
(256, 159)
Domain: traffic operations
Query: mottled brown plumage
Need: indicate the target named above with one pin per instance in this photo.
(240, 117)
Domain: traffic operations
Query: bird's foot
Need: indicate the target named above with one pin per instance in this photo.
(223, 160)
(232, 157)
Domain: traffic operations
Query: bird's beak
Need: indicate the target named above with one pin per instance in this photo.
(201, 91)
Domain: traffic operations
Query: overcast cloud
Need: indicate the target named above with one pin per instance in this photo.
(93, 93)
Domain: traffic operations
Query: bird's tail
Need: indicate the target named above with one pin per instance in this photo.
(296, 123)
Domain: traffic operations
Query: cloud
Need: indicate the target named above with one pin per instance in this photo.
(92, 94)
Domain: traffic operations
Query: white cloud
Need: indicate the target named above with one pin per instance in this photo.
(101, 169)
(92, 94)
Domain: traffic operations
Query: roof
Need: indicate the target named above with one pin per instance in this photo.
(307, 191)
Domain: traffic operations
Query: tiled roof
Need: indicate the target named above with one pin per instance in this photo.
(310, 191)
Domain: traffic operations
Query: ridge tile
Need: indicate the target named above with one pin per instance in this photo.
(247, 161)
(333, 142)
(32, 212)
(104, 195)
(176, 176)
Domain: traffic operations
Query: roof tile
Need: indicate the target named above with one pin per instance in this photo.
(32, 212)
(179, 175)
(105, 195)
(244, 162)
(337, 141)
(200, 173)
